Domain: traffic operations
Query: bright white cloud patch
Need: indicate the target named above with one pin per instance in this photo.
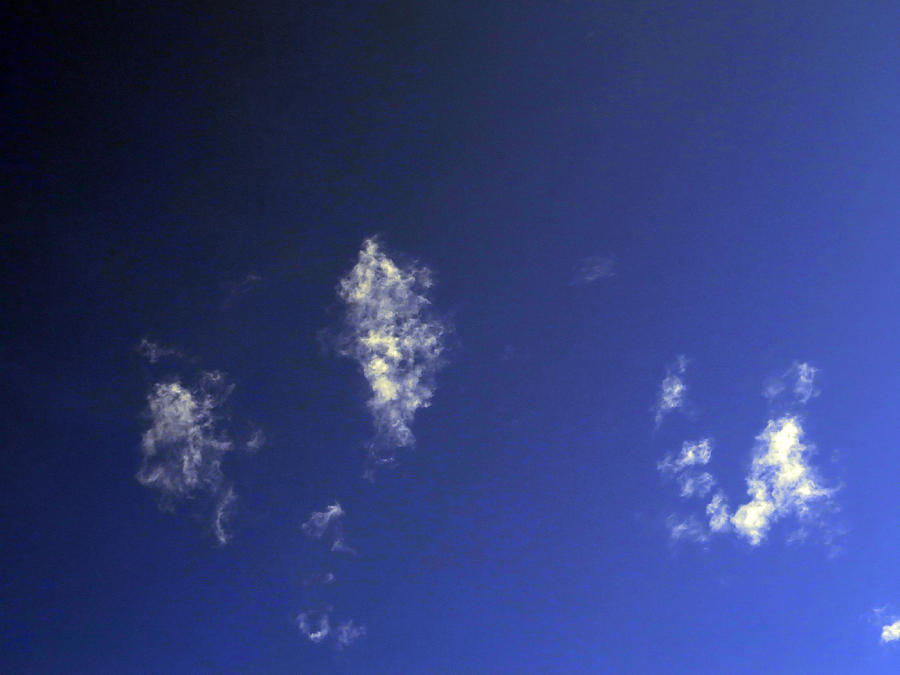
(673, 390)
(781, 481)
(328, 522)
(891, 632)
(396, 343)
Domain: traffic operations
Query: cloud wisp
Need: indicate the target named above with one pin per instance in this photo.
(328, 525)
(154, 352)
(672, 390)
(316, 626)
(692, 482)
(389, 331)
(594, 268)
(183, 449)
(800, 377)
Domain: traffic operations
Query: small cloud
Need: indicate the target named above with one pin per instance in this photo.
(686, 529)
(781, 481)
(348, 632)
(672, 391)
(256, 441)
(398, 345)
(692, 454)
(326, 579)
(328, 522)
(800, 377)
(696, 484)
(890, 632)
(593, 269)
(184, 447)
(238, 289)
(224, 510)
(154, 352)
(315, 626)
(717, 511)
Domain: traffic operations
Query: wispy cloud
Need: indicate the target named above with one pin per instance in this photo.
(153, 352)
(692, 453)
(395, 341)
(183, 449)
(800, 377)
(781, 481)
(328, 522)
(686, 529)
(223, 511)
(672, 390)
(315, 626)
(890, 632)
(717, 511)
(593, 269)
(692, 483)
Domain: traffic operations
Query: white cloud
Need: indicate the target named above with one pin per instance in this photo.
(256, 441)
(328, 522)
(348, 632)
(781, 481)
(695, 484)
(801, 379)
(717, 510)
(314, 625)
(154, 352)
(594, 268)
(890, 632)
(687, 529)
(224, 509)
(805, 375)
(184, 446)
(673, 390)
(396, 343)
(692, 453)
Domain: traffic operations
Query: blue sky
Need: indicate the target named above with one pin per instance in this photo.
(451, 338)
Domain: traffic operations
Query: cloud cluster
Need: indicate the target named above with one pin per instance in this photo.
(781, 481)
(315, 625)
(183, 449)
(328, 522)
(692, 483)
(397, 344)
(672, 390)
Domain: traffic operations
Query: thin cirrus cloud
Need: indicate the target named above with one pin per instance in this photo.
(800, 377)
(183, 449)
(593, 269)
(672, 390)
(390, 332)
(154, 352)
(328, 525)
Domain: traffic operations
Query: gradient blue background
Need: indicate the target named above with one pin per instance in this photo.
(741, 160)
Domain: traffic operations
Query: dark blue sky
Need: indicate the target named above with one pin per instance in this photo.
(646, 224)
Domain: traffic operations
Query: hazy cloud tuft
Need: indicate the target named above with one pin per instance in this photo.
(154, 352)
(315, 626)
(673, 390)
(396, 343)
(328, 522)
(593, 269)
